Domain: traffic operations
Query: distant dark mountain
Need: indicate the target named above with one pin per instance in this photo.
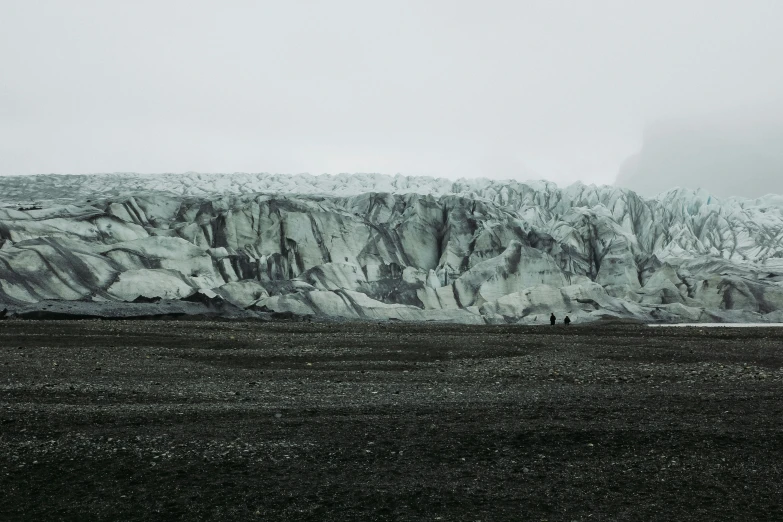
(725, 158)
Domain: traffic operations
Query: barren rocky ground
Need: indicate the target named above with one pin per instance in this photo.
(195, 420)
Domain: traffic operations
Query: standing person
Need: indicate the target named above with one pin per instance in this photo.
(567, 321)
(552, 319)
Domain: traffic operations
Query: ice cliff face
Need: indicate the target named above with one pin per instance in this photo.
(380, 247)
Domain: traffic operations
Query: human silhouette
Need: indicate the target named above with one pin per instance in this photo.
(567, 321)
(552, 319)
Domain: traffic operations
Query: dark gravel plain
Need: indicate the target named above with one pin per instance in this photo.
(198, 420)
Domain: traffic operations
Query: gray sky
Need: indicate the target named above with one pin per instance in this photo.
(506, 89)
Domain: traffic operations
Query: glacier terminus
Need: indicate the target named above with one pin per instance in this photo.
(376, 247)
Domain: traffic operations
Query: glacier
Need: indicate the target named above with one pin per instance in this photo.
(377, 247)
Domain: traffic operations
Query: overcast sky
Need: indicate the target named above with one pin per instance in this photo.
(505, 89)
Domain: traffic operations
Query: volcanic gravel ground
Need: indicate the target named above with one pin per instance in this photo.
(152, 420)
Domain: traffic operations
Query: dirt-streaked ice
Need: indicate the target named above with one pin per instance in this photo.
(368, 246)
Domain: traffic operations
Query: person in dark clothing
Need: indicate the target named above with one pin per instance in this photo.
(567, 321)
(552, 319)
